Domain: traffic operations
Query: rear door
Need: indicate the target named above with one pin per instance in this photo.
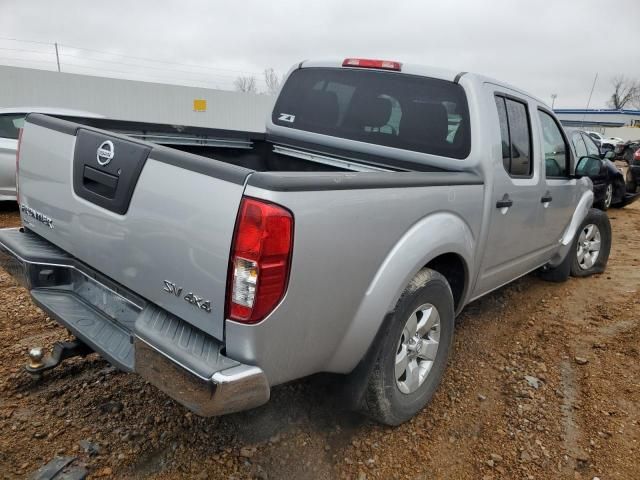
(158, 221)
(512, 249)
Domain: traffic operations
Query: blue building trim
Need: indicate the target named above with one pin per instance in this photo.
(576, 111)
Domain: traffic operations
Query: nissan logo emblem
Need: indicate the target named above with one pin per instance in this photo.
(105, 154)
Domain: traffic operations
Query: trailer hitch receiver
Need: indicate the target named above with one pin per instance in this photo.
(61, 351)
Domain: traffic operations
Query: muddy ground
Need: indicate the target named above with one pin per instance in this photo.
(544, 383)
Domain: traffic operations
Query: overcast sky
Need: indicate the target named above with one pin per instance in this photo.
(542, 46)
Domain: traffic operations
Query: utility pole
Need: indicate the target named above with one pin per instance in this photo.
(57, 56)
(590, 95)
(553, 99)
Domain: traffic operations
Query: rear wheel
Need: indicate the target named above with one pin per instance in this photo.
(630, 182)
(591, 245)
(605, 203)
(412, 353)
(628, 155)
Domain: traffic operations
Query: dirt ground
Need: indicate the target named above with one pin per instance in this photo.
(544, 383)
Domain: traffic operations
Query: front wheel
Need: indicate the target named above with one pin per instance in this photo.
(413, 351)
(591, 245)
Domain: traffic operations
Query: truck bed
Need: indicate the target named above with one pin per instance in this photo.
(183, 199)
(252, 150)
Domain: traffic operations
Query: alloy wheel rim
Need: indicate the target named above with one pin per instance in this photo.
(589, 244)
(417, 348)
(608, 195)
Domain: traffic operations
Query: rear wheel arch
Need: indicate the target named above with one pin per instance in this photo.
(455, 270)
(443, 242)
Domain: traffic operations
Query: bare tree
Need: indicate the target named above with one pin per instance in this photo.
(272, 80)
(625, 91)
(246, 84)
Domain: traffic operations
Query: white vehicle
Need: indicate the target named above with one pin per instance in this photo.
(11, 121)
(606, 143)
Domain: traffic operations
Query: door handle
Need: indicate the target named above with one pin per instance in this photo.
(504, 203)
(546, 199)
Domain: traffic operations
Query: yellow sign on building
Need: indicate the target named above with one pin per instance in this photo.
(199, 105)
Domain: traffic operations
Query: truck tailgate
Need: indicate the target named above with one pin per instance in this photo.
(158, 221)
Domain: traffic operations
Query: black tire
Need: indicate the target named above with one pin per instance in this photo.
(627, 155)
(619, 192)
(581, 268)
(383, 400)
(630, 182)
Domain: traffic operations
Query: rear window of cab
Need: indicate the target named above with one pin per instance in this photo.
(408, 112)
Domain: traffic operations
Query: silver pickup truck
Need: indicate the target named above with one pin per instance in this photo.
(383, 198)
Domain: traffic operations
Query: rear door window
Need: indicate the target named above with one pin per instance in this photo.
(408, 112)
(515, 133)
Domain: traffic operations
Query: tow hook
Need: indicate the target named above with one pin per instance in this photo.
(61, 351)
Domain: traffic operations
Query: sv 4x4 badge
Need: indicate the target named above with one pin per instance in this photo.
(190, 297)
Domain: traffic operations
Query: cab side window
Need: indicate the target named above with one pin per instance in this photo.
(556, 150)
(515, 132)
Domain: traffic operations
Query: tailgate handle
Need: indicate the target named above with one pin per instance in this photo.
(99, 182)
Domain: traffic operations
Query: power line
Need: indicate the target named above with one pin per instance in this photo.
(159, 61)
(147, 59)
(25, 41)
(37, 52)
(145, 67)
(208, 77)
(72, 67)
(14, 59)
(153, 67)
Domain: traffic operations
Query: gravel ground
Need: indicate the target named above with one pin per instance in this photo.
(543, 383)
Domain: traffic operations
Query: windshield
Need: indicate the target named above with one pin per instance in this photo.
(409, 112)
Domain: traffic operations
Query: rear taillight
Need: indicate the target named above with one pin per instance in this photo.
(18, 165)
(369, 63)
(260, 260)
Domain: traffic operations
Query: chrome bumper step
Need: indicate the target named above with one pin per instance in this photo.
(131, 333)
(102, 334)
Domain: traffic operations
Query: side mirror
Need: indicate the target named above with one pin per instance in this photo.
(588, 166)
(610, 155)
(580, 165)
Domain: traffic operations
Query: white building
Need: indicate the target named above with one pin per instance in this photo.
(134, 100)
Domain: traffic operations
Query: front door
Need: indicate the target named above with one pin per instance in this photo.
(559, 190)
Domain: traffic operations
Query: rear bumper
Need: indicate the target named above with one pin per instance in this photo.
(132, 334)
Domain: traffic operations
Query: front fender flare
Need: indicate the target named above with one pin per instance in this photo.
(427, 239)
(579, 214)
